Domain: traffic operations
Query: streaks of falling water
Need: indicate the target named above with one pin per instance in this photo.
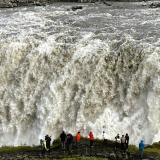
(87, 70)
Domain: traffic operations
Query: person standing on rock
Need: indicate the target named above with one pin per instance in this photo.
(91, 138)
(127, 140)
(48, 142)
(123, 140)
(117, 142)
(77, 139)
(69, 141)
(63, 139)
(42, 144)
(141, 148)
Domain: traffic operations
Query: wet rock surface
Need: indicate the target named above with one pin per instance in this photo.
(18, 3)
(99, 149)
(74, 8)
(155, 5)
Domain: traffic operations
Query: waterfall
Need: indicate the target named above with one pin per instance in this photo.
(61, 69)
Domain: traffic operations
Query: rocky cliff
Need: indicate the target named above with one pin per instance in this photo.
(17, 3)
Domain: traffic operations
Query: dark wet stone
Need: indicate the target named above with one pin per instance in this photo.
(154, 5)
(74, 8)
(112, 156)
(106, 3)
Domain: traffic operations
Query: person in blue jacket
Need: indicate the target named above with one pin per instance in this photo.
(141, 148)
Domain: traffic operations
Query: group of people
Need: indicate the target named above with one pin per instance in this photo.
(122, 142)
(67, 140)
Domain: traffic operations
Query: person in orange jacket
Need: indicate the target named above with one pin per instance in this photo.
(77, 138)
(91, 138)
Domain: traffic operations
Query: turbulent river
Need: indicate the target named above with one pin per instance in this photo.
(92, 69)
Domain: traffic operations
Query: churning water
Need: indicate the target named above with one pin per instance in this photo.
(92, 69)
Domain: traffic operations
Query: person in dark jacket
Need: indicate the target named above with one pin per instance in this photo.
(69, 141)
(48, 142)
(63, 139)
(126, 140)
(141, 148)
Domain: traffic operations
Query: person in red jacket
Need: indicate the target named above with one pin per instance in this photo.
(91, 138)
(77, 138)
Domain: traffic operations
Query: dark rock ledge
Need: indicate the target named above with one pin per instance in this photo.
(18, 3)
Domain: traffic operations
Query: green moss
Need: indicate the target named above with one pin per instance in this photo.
(84, 158)
(153, 149)
(41, 159)
(132, 149)
(56, 143)
(73, 158)
(154, 145)
(11, 149)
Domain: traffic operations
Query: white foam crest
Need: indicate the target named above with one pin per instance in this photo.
(88, 46)
(99, 15)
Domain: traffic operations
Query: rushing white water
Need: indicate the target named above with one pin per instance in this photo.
(93, 69)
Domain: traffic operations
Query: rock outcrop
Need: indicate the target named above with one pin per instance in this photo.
(17, 3)
(154, 5)
(74, 8)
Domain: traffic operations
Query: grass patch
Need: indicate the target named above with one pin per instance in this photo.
(154, 145)
(12, 149)
(84, 158)
(132, 149)
(56, 143)
(73, 158)
(153, 149)
(39, 159)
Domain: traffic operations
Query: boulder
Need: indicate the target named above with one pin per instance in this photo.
(112, 156)
(154, 5)
(37, 3)
(106, 3)
(74, 8)
(7, 4)
(16, 3)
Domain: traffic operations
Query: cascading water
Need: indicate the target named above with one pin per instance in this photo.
(93, 69)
